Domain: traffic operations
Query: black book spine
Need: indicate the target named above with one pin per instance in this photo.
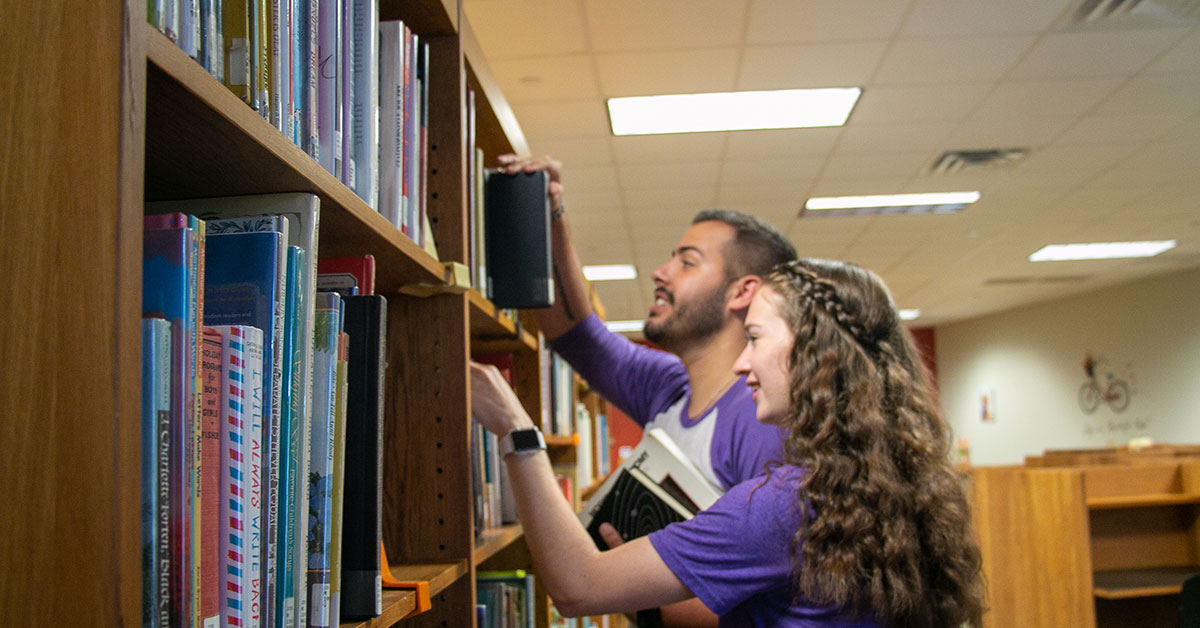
(362, 528)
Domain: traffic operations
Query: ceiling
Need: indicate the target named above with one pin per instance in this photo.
(1110, 115)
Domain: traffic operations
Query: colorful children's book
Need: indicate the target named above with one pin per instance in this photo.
(156, 472)
(210, 474)
(321, 451)
(241, 410)
(339, 478)
(331, 272)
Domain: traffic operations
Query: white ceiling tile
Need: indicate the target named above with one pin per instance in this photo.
(1182, 59)
(928, 103)
(777, 198)
(667, 72)
(589, 179)
(1022, 100)
(1160, 163)
(539, 79)
(884, 138)
(587, 217)
(631, 25)
(593, 201)
(562, 120)
(1080, 55)
(637, 149)
(670, 175)
(572, 152)
(781, 142)
(875, 166)
(1108, 129)
(682, 202)
(795, 170)
(1007, 132)
(846, 64)
(860, 186)
(937, 61)
(622, 300)
(505, 29)
(800, 21)
(949, 18)
(1092, 158)
(1156, 94)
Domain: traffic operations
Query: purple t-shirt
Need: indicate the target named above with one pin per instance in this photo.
(727, 443)
(736, 556)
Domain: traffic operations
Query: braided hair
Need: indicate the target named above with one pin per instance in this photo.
(889, 532)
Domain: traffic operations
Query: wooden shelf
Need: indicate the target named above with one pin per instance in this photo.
(494, 332)
(1138, 501)
(398, 603)
(203, 141)
(1135, 583)
(495, 539)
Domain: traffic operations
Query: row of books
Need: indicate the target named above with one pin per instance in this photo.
(347, 88)
(504, 599)
(261, 400)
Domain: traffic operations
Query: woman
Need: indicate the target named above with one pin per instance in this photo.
(864, 523)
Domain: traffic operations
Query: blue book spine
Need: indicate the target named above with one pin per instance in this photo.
(321, 449)
(284, 581)
(156, 442)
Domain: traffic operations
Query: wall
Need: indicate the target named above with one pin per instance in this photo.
(1030, 361)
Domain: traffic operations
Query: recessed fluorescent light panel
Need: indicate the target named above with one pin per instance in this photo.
(609, 272)
(732, 111)
(890, 204)
(909, 315)
(1100, 250)
(620, 326)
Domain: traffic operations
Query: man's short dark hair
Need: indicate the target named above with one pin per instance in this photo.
(757, 247)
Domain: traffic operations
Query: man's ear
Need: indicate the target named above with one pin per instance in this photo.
(741, 292)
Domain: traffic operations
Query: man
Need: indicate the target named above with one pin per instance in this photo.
(700, 300)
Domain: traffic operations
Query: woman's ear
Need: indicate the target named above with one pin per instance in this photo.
(741, 292)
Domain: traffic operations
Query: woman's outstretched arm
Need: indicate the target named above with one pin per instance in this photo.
(580, 578)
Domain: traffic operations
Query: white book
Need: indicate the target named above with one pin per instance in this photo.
(391, 124)
(365, 111)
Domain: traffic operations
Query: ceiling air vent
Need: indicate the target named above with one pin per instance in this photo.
(959, 160)
(1105, 14)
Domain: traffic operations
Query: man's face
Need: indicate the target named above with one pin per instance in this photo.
(689, 294)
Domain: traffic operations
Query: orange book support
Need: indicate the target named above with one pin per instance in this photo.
(420, 587)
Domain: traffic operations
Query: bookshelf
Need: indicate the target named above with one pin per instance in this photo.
(103, 113)
(1105, 545)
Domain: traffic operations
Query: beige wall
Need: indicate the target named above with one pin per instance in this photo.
(1147, 333)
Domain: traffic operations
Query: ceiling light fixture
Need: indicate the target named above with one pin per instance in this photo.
(732, 111)
(625, 326)
(909, 314)
(890, 204)
(609, 272)
(1100, 250)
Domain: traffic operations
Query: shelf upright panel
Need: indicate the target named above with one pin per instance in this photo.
(70, 188)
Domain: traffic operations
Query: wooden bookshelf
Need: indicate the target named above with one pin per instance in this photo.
(103, 113)
(1123, 584)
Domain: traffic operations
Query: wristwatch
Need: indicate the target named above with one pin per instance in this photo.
(522, 440)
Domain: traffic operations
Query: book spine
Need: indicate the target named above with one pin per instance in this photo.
(234, 548)
(284, 583)
(423, 235)
(277, 70)
(346, 80)
(252, 473)
(263, 51)
(308, 123)
(210, 476)
(339, 478)
(366, 101)
(304, 383)
(391, 123)
(320, 477)
(329, 117)
(156, 420)
(238, 51)
(411, 129)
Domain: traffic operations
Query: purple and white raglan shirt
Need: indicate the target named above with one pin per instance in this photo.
(736, 556)
(727, 443)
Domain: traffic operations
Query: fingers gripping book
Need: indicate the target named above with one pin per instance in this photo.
(656, 485)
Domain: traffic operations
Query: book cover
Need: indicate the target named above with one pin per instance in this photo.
(241, 417)
(321, 452)
(411, 135)
(424, 238)
(655, 486)
(517, 231)
(339, 478)
(521, 581)
(329, 93)
(285, 508)
(236, 33)
(155, 472)
(210, 474)
(361, 268)
(362, 535)
(365, 105)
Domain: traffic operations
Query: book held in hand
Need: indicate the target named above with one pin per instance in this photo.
(655, 486)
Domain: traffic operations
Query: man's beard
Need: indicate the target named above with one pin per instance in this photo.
(689, 323)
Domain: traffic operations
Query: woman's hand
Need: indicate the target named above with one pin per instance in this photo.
(493, 402)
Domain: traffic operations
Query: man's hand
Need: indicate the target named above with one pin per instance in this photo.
(493, 402)
(512, 164)
(610, 535)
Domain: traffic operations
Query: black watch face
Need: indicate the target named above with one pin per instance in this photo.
(524, 440)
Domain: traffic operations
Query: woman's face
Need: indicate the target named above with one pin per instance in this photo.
(764, 361)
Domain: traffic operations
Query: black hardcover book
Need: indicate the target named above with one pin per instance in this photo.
(517, 232)
(362, 506)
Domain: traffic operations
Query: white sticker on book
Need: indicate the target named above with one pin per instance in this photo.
(319, 614)
(379, 593)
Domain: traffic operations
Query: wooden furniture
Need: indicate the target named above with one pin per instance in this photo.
(101, 113)
(1081, 546)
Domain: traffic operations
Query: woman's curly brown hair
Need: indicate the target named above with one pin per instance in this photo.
(889, 533)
